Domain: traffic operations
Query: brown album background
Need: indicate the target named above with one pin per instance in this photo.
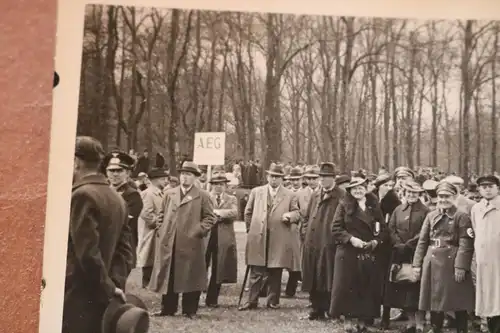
(27, 47)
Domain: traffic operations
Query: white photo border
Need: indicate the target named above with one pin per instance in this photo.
(70, 17)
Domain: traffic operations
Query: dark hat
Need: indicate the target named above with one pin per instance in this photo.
(203, 168)
(446, 187)
(327, 169)
(489, 179)
(158, 173)
(342, 179)
(88, 149)
(312, 172)
(219, 178)
(295, 173)
(117, 160)
(472, 187)
(403, 171)
(356, 181)
(381, 179)
(190, 167)
(276, 170)
(413, 186)
(124, 318)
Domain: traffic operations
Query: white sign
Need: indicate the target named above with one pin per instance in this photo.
(209, 148)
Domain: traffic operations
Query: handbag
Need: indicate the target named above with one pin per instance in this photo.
(402, 273)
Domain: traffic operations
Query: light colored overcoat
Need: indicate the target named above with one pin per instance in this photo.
(262, 214)
(152, 199)
(185, 223)
(485, 222)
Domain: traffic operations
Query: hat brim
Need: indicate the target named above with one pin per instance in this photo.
(117, 167)
(272, 173)
(219, 181)
(194, 172)
(294, 177)
(326, 174)
(357, 184)
(440, 191)
(416, 190)
(311, 175)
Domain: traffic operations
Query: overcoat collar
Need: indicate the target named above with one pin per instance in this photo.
(90, 179)
(487, 207)
(416, 207)
(277, 198)
(334, 193)
(192, 194)
(439, 214)
(223, 197)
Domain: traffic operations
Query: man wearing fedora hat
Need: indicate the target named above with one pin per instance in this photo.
(221, 250)
(319, 248)
(99, 256)
(271, 218)
(148, 221)
(118, 166)
(187, 215)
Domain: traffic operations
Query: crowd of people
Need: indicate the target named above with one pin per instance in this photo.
(358, 244)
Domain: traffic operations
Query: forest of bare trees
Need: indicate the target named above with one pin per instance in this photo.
(361, 92)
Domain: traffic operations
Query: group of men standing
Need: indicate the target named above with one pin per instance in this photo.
(175, 234)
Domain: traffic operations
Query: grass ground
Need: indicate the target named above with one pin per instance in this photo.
(289, 318)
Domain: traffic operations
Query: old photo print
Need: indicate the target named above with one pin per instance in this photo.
(208, 148)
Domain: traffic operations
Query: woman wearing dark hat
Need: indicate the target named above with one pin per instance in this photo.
(442, 261)
(358, 230)
(384, 190)
(404, 228)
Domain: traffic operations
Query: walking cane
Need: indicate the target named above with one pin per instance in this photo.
(247, 271)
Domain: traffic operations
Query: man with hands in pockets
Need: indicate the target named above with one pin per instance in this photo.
(271, 218)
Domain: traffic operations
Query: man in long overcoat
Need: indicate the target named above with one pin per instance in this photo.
(152, 198)
(443, 261)
(271, 218)
(294, 275)
(319, 247)
(486, 231)
(221, 252)
(179, 266)
(99, 256)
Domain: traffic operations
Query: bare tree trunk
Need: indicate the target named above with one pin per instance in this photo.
(467, 97)
(477, 112)
(494, 126)
(346, 70)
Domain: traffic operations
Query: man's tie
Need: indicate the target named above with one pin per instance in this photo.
(218, 200)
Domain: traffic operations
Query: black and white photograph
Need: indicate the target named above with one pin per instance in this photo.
(269, 172)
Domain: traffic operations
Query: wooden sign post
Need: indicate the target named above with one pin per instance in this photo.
(210, 150)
